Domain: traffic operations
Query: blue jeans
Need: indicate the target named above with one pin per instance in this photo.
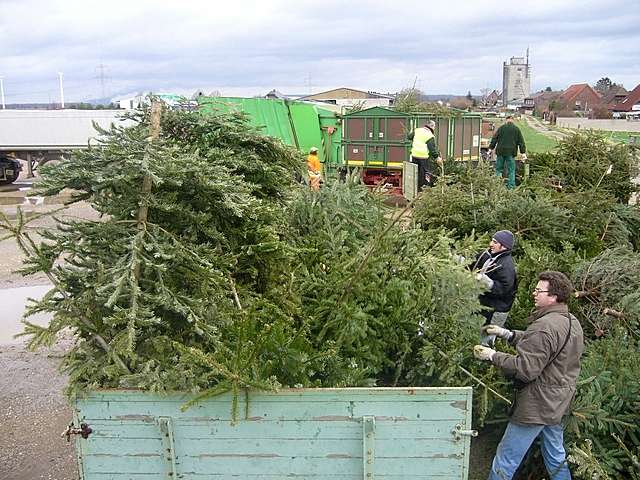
(516, 441)
(509, 162)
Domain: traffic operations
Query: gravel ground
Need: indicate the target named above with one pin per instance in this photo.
(34, 409)
(34, 413)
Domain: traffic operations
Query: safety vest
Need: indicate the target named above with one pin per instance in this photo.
(420, 138)
(313, 164)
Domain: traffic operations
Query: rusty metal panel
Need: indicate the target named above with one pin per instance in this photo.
(442, 135)
(354, 152)
(467, 138)
(354, 128)
(381, 134)
(397, 153)
(370, 130)
(398, 129)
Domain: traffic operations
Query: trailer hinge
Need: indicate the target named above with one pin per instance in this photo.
(169, 451)
(368, 452)
(458, 432)
(84, 431)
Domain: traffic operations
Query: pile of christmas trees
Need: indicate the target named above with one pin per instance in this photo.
(572, 215)
(211, 269)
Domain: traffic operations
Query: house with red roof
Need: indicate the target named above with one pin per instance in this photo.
(614, 96)
(580, 97)
(630, 103)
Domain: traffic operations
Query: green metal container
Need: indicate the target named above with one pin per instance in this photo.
(458, 137)
(271, 116)
(298, 124)
(337, 434)
(376, 138)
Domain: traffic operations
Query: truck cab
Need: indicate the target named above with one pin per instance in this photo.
(10, 169)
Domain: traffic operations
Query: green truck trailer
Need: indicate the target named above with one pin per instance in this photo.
(375, 140)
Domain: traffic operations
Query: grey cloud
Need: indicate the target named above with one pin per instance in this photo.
(451, 46)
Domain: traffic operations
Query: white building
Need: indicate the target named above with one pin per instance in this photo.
(516, 81)
(349, 97)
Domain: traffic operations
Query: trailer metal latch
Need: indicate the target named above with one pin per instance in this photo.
(369, 445)
(458, 432)
(84, 431)
(168, 442)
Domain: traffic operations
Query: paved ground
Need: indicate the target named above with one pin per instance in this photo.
(34, 410)
(34, 413)
(540, 127)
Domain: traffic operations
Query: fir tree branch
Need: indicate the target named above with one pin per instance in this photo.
(143, 211)
(471, 375)
(234, 291)
(29, 248)
(372, 246)
(613, 313)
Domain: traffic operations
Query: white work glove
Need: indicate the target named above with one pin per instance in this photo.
(483, 353)
(498, 331)
(524, 157)
(485, 280)
(439, 161)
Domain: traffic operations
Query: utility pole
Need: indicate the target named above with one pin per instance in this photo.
(2, 91)
(102, 77)
(61, 91)
(308, 82)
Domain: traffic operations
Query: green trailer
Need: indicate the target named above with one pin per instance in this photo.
(333, 434)
(458, 136)
(375, 139)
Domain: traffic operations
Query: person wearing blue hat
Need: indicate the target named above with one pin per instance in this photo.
(497, 272)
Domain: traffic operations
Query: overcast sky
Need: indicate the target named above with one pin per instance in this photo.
(246, 47)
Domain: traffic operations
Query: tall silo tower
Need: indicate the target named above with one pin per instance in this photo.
(516, 80)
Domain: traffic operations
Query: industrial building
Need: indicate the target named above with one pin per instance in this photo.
(516, 81)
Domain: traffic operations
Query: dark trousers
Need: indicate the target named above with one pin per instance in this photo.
(426, 168)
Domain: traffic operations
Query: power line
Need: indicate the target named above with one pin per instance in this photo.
(102, 77)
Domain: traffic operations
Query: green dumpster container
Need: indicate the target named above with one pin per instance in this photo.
(337, 434)
(298, 124)
(458, 136)
(376, 138)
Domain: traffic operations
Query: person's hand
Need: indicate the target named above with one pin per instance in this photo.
(483, 353)
(524, 157)
(498, 331)
(439, 161)
(485, 280)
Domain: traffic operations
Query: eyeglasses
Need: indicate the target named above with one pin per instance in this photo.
(537, 291)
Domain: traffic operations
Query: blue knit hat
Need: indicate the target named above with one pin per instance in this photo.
(504, 238)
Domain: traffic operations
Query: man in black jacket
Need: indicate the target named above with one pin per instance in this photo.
(497, 272)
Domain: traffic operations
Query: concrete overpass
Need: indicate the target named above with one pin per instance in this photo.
(41, 135)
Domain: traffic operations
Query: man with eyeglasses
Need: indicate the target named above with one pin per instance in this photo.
(544, 370)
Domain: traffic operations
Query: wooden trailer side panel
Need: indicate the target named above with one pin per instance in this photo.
(338, 434)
